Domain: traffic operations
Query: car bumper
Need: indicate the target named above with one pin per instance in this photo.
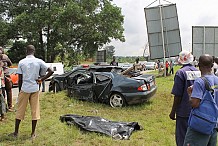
(140, 97)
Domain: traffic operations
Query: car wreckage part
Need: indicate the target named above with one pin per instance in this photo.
(117, 100)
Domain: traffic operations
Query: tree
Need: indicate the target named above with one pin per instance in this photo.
(4, 36)
(110, 50)
(17, 51)
(79, 26)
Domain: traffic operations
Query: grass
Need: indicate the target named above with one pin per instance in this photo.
(158, 129)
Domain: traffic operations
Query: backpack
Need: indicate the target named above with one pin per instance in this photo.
(203, 119)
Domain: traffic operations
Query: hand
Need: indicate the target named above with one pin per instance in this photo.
(39, 81)
(189, 90)
(172, 115)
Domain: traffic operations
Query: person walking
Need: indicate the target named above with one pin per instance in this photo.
(181, 108)
(8, 85)
(158, 66)
(29, 71)
(167, 67)
(171, 67)
(193, 137)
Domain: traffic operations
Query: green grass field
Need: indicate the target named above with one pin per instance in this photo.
(158, 129)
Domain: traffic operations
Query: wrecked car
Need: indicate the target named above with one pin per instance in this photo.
(111, 88)
(59, 82)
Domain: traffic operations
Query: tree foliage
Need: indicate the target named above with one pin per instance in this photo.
(110, 50)
(75, 27)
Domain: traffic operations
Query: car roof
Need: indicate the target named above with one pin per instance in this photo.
(107, 68)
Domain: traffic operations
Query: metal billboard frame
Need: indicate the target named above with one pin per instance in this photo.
(163, 28)
(204, 40)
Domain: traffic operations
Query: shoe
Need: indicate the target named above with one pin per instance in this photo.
(13, 135)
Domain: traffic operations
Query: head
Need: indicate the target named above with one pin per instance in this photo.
(205, 63)
(137, 59)
(30, 50)
(114, 58)
(185, 57)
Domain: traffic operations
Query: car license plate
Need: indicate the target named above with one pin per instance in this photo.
(151, 83)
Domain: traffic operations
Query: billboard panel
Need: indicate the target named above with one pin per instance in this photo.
(101, 56)
(204, 40)
(170, 29)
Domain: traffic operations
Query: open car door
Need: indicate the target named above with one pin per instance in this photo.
(83, 87)
(102, 87)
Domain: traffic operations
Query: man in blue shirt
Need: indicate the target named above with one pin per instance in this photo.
(181, 108)
(29, 69)
(194, 138)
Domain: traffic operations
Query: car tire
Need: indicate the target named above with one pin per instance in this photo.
(117, 100)
(56, 87)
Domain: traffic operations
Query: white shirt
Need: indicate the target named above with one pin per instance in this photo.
(31, 68)
(215, 66)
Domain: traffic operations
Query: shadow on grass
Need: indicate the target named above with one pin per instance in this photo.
(106, 105)
(21, 138)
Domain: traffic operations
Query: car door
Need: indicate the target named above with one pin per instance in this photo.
(83, 87)
(102, 86)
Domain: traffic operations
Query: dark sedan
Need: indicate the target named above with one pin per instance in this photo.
(114, 89)
(60, 82)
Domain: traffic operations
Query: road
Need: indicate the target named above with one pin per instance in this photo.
(15, 89)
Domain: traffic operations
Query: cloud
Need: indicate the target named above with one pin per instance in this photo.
(190, 13)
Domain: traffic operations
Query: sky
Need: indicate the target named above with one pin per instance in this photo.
(190, 13)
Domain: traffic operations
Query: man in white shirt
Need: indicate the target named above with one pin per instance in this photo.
(29, 70)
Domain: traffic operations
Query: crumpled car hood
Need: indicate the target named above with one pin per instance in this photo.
(117, 130)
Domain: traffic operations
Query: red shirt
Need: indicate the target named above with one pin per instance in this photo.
(167, 64)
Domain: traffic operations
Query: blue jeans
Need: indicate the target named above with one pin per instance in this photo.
(194, 138)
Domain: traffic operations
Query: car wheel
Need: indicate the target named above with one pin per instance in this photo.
(56, 87)
(117, 100)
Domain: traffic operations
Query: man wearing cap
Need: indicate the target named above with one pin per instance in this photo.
(181, 108)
